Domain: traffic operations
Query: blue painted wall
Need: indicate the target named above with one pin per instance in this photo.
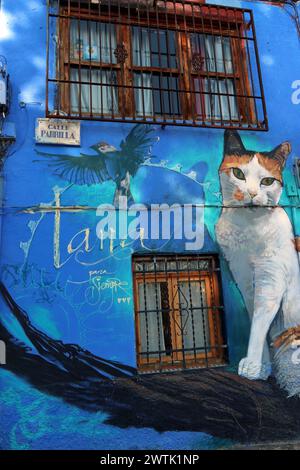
(88, 299)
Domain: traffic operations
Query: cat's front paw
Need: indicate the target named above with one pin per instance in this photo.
(254, 370)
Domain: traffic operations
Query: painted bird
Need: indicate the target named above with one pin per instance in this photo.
(109, 163)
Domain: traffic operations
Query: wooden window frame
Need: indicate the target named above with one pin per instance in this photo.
(184, 72)
(178, 359)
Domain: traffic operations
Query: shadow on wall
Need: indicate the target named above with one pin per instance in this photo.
(216, 402)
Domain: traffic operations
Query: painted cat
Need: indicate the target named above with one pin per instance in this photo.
(256, 238)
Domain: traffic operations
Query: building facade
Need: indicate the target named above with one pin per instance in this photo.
(123, 113)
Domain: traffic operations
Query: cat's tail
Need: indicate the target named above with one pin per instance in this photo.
(286, 361)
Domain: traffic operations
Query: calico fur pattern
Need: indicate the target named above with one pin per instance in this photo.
(257, 240)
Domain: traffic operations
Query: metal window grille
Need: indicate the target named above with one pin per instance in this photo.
(179, 313)
(170, 62)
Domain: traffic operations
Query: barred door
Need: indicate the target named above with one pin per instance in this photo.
(178, 313)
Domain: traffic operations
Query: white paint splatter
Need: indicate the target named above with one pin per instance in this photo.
(39, 62)
(33, 91)
(267, 59)
(34, 5)
(265, 9)
(6, 26)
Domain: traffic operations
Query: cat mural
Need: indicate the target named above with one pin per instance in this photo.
(256, 238)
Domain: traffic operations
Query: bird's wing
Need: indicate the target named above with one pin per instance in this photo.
(136, 148)
(84, 169)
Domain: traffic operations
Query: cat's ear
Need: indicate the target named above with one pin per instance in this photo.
(281, 153)
(233, 143)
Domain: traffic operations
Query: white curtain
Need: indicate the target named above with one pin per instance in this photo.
(220, 101)
(92, 41)
(194, 322)
(218, 54)
(99, 98)
(151, 325)
(141, 51)
(141, 55)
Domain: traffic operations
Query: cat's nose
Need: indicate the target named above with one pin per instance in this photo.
(252, 194)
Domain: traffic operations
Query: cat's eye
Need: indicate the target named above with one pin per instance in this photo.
(238, 174)
(267, 181)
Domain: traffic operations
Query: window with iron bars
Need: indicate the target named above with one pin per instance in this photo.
(168, 62)
(178, 312)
